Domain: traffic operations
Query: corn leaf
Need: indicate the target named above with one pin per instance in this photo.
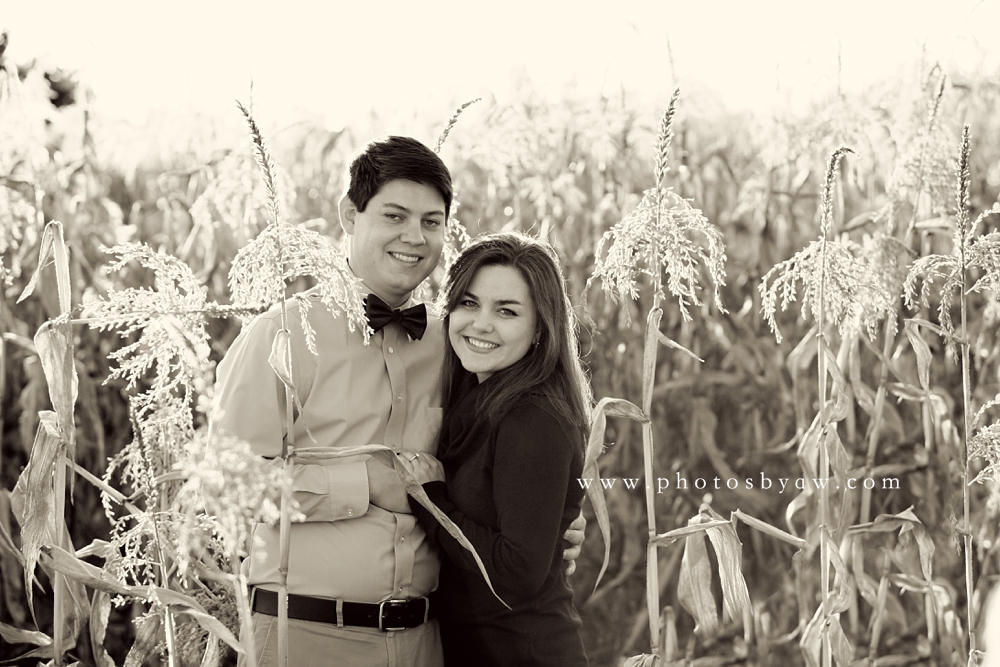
(649, 351)
(36, 487)
(213, 626)
(923, 353)
(418, 494)
(13, 635)
(60, 560)
(147, 635)
(840, 397)
(54, 342)
(7, 546)
(843, 652)
(694, 586)
(906, 522)
(616, 407)
(768, 529)
(100, 610)
(45, 255)
(729, 554)
(668, 538)
(811, 642)
(644, 660)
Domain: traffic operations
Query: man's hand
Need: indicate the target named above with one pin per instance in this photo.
(385, 488)
(574, 535)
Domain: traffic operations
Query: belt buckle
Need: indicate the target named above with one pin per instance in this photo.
(381, 614)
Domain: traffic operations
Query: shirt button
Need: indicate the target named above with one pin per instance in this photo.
(390, 349)
(399, 590)
(350, 512)
(399, 398)
(402, 539)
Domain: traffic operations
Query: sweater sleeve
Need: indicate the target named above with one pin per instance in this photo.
(531, 469)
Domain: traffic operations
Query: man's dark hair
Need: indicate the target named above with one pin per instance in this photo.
(393, 158)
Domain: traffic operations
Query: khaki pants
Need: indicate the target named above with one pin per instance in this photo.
(312, 643)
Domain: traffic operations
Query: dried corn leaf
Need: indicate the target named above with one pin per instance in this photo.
(840, 645)
(214, 626)
(768, 529)
(418, 493)
(35, 486)
(729, 554)
(908, 524)
(649, 354)
(54, 342)
(841, 399)
(812, 640)
(100, 610)
(922, 351)
(61, 560)
(644, 660)
(595, 447)
(147, 635)
(51, 248)
(13, 635)
(694, 586)
(280, 361)
(7, 546)
(665, 539)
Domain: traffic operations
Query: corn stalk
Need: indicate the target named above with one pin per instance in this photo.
(655, 240)
(282, 356)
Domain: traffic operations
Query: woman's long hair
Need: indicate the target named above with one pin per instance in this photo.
(553, 365)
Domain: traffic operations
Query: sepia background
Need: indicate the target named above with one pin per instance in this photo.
(120, 122)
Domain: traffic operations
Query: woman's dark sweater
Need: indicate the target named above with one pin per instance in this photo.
(513, 491)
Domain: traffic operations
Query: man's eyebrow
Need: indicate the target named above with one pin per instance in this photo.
(400, 207)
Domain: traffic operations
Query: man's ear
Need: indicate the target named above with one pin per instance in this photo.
(347, 213)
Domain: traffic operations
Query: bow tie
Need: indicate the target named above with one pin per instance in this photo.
(413, 320)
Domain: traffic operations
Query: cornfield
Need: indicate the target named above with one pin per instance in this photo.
(790, 325)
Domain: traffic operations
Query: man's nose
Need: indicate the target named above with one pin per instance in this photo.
(413, 232)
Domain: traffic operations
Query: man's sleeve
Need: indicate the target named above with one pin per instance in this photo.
(250, 405)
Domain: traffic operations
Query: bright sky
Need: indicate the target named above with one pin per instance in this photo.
(405, 58)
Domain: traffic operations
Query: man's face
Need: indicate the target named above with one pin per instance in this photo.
(396, 241)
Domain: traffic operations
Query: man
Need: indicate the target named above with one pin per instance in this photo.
(360, 568)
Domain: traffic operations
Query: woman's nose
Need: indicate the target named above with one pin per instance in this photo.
(483, 322)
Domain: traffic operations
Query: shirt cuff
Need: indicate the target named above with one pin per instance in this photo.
(331, 492)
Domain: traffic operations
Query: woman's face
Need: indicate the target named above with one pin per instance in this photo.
(493, 324)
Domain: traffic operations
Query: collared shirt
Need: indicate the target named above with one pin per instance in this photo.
(387, 392)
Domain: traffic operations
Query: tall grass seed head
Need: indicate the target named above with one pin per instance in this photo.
(660, 238)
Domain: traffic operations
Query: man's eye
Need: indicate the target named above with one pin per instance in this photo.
(432, 223)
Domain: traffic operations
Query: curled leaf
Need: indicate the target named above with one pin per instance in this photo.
(616, 407)
(418, 493)
(694, 586)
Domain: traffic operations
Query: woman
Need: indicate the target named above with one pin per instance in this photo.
(511, 451)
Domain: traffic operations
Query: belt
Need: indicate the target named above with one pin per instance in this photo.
(386, 615)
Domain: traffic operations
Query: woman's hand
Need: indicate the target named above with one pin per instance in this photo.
(421, 465)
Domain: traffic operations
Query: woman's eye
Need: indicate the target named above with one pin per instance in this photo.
(507, 312)
(467, 303)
